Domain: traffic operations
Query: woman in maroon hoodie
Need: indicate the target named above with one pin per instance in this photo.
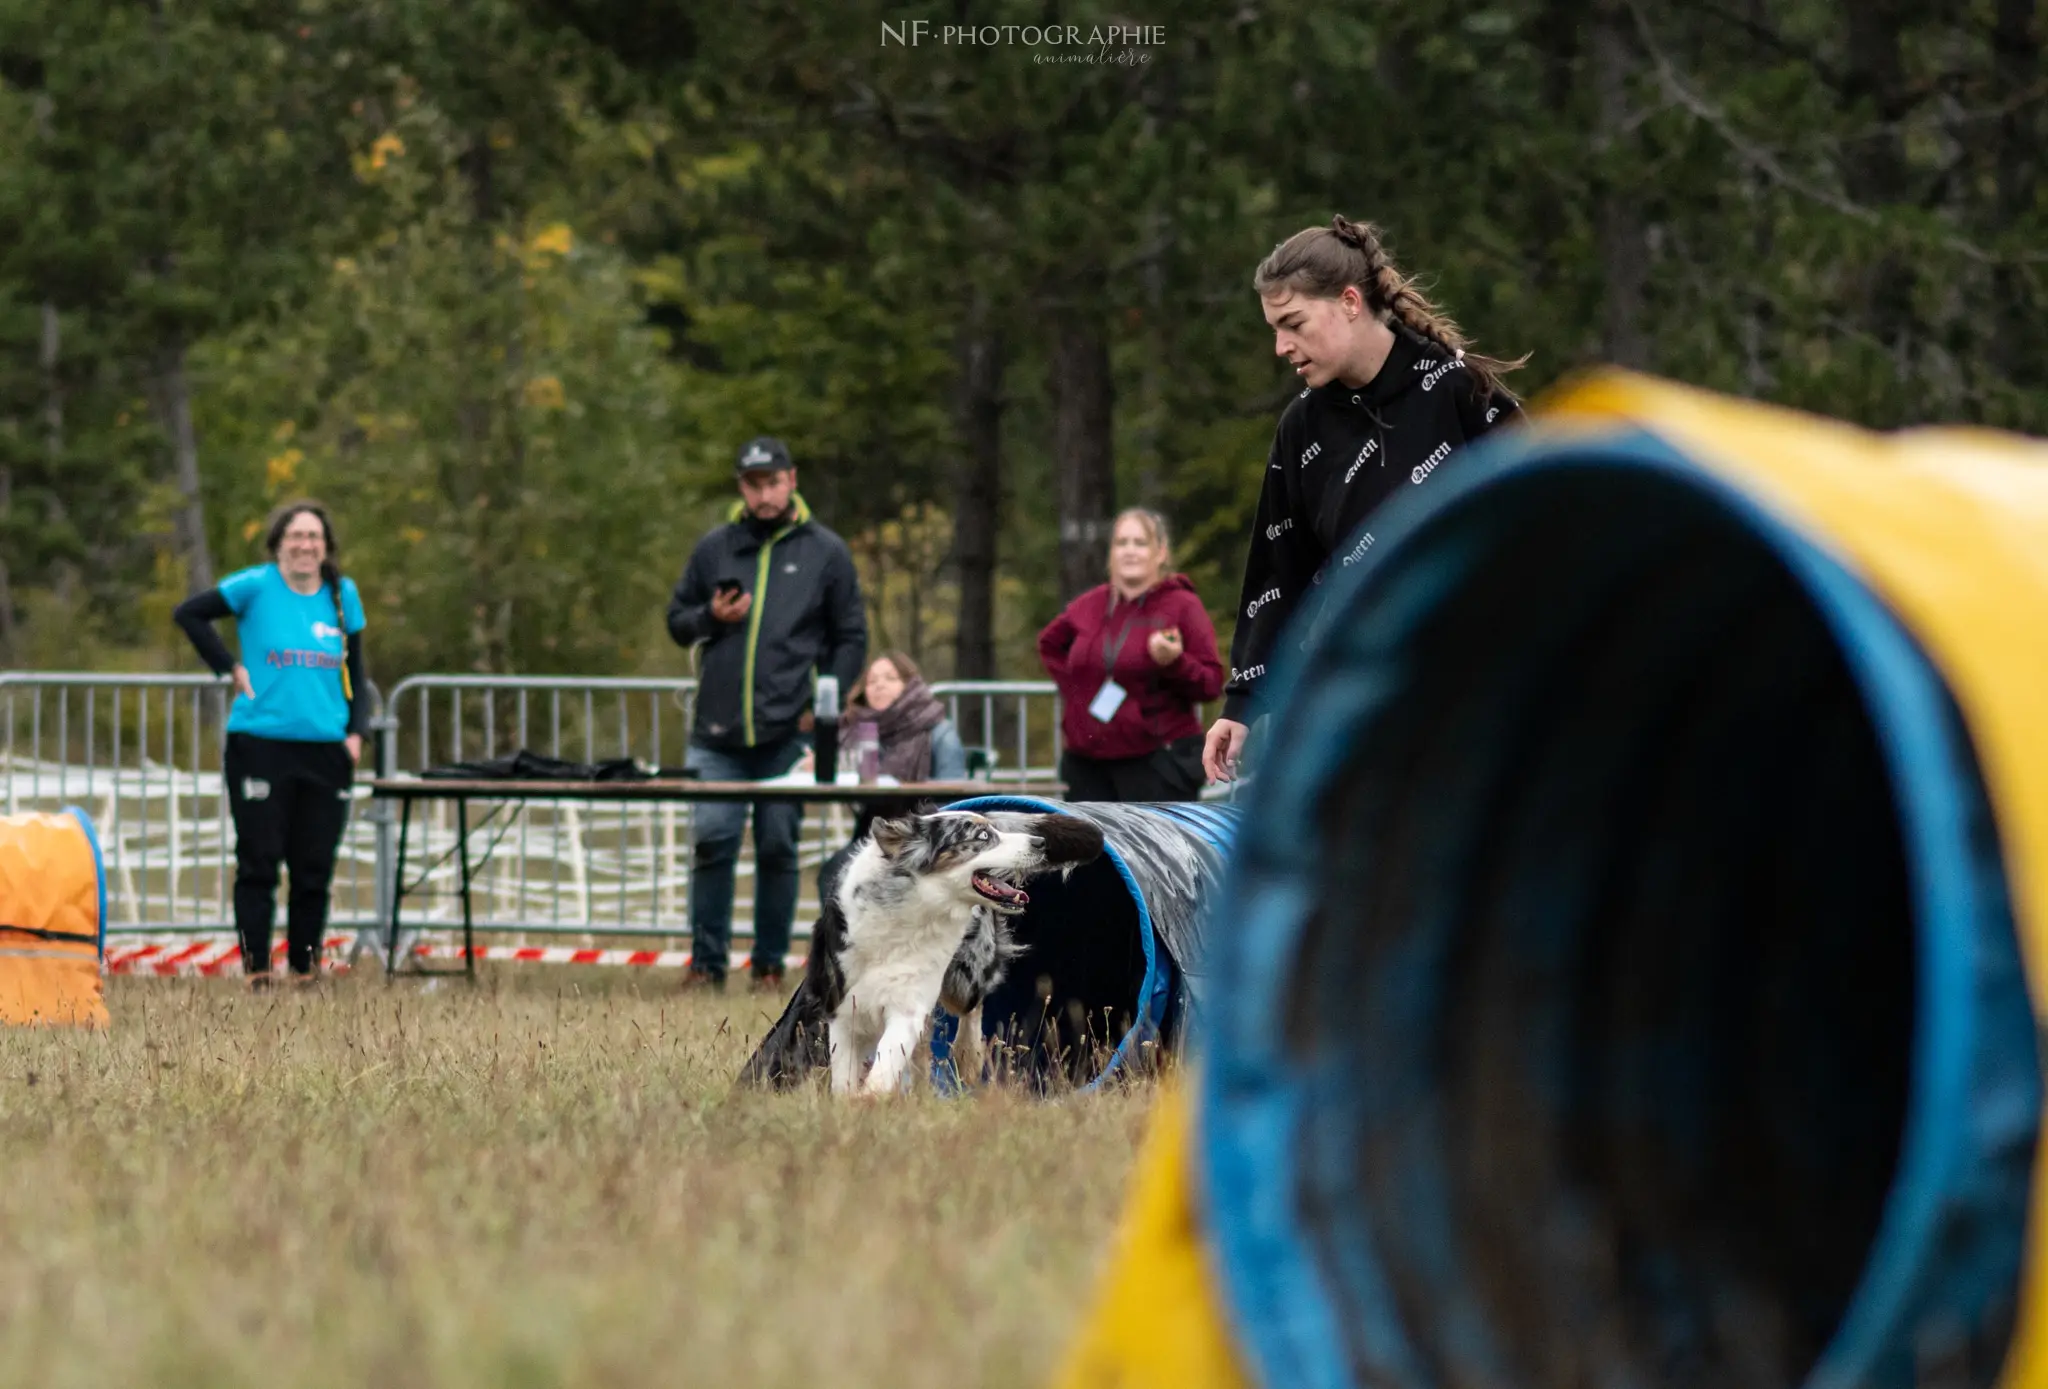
(1132, 659)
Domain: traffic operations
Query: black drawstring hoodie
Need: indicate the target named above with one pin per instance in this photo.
(1339, 452)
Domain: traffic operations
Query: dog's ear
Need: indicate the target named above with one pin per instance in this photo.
(1069, 839)
(892, 837)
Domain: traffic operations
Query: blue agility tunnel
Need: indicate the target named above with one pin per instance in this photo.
(1630, 988)
(1631, 964)
(1115, 954)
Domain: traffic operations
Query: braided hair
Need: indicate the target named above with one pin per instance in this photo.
(1323, 261)
(330, 572)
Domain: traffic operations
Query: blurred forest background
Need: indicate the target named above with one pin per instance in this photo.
(507, 281)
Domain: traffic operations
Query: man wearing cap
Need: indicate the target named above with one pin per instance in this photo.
(772, 600)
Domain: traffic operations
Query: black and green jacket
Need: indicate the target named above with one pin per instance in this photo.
(754, 676)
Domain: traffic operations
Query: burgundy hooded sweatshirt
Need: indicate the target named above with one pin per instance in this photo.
(1100, 635)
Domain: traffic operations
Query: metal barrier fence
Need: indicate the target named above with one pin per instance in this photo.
(452, 718)
(142, 754)
(623, 869)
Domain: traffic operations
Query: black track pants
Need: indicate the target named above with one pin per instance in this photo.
(290, 803)
(1173, 773)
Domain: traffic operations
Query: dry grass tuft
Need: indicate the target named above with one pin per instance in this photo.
(540, 1181)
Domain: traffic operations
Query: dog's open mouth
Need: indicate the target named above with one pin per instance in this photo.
(1001, 893)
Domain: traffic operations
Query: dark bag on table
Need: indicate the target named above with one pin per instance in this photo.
(531, 766)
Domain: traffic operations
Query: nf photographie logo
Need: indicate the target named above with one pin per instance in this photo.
(1120, 44)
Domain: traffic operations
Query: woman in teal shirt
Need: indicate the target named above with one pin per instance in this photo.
(295, 730)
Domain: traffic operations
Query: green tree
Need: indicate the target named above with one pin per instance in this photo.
(493, 422)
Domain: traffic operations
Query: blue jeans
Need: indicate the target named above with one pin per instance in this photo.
(715, 830)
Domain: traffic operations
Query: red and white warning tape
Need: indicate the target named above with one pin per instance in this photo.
(557, 955)
(569, 955)
(208, 955)
(220, 955)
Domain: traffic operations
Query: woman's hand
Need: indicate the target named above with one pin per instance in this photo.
(354, 744)
(1219, 753)
(242, 685)
(1164, 646)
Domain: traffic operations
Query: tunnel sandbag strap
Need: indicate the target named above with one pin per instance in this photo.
(1303, 1255)
(73, 937)
(1156, 1321)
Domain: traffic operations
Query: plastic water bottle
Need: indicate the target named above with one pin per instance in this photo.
(867, 746)
(825, 730)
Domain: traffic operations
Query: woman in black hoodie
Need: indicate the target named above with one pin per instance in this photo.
(1389, 393)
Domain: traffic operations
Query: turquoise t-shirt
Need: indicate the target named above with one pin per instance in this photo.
(294, 652)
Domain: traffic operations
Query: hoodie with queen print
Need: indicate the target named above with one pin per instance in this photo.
(1339, 453)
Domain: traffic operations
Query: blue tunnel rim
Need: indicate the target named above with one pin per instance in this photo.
(1250, 1106)
(1156, 985)
(99, 868)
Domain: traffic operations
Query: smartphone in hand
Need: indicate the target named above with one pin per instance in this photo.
(729, 601)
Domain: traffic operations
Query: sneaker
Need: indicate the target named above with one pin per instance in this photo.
(303, 982)
(766, 981)
(262, 982)
(700, 979)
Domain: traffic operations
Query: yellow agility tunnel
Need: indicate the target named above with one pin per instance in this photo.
(1630, 965)
(53, 915)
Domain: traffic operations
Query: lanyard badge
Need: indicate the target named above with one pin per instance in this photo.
(1111, 696)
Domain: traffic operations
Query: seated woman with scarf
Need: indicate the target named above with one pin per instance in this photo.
(918, 741)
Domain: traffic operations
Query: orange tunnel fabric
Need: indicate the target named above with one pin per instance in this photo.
(52, 921)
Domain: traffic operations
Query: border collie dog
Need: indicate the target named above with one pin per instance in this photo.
(912, 897)
(920, 920)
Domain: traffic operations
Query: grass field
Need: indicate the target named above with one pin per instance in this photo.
(539, 1181)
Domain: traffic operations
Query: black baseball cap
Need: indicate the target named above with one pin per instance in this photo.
(762, 455)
